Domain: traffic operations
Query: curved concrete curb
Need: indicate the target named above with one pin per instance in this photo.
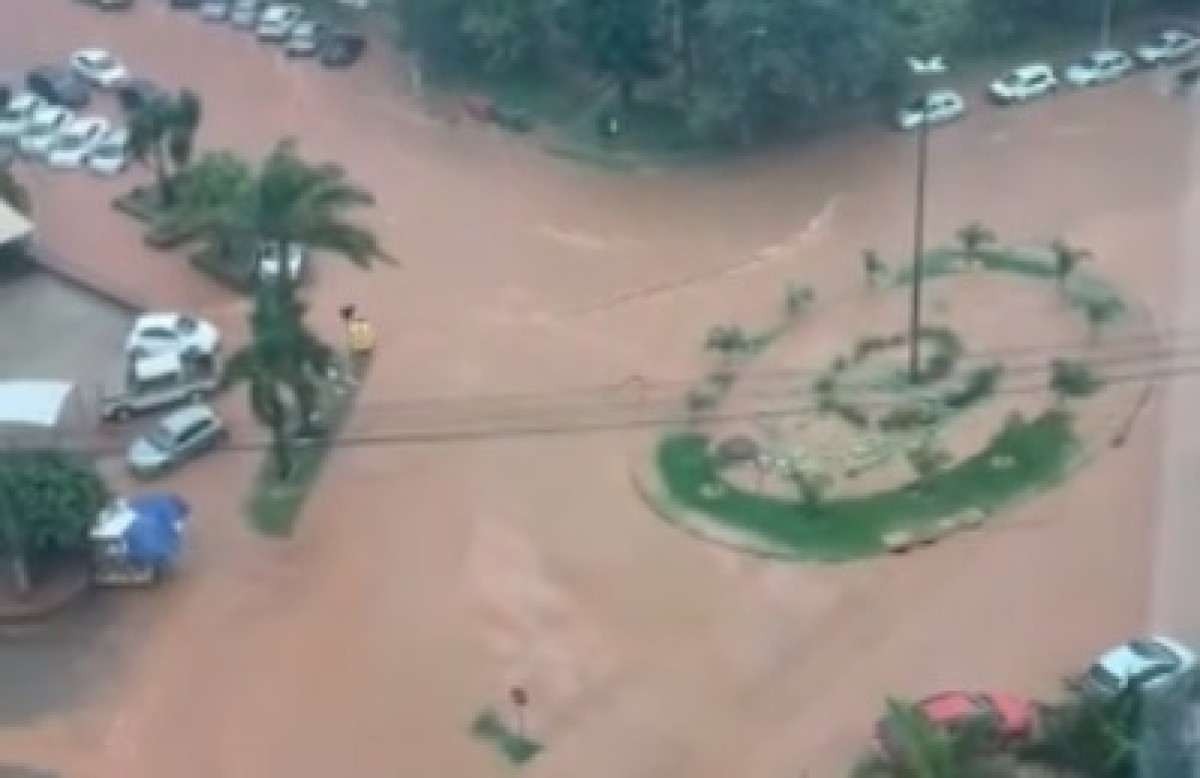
(67, 585)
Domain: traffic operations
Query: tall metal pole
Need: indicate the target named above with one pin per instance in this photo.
(1106, 24)
(914, 327)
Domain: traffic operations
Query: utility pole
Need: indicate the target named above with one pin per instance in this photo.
(914, 324)
(1106, 23)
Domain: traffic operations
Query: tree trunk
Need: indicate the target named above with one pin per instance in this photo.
(282, 452)
(20, 574)
(166, 190)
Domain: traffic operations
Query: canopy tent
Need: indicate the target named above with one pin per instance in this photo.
(148, 527)
(13, 226)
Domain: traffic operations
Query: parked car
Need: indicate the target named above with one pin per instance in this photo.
(1024, 83)
(936, 107)
(137, 92)
(111, 154)
(17, 114)
(1009, 718)
(43, 129)
(59, 86)
(158, 382)
(111, 5)
(187, 4)
(172, 333)
(277, 21)
(176, 438)
(305, 39)
(135, 541)
(342, 49)
(215, 10)
(1167, 46)
(1098, 67)
(245, 14)
(99, 67)
(269, 262)
(1155, 661)
(75, 142)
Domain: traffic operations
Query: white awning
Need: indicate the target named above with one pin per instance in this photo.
(33, 403)
(13, 226)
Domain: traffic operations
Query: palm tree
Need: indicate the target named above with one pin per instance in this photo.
(1066, 259)
(1090, 734)
(920, 749)
(283, 359)
(973, 237)
(289, 201)
(161, 134)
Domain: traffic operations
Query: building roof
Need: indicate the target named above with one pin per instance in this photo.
(33, 403)
(13, 226)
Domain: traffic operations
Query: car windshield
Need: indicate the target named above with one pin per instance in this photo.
(1154, 652)
(11, 114)
(109, 151)
(1013, 79)
(160, 438)
(100, 61)
(42, 127)
(1102, 678)
(918, 104)
(70, 142)
(186, 325)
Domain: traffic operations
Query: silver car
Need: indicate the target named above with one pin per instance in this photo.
(214, 10)
(244, 15)
(176, 438)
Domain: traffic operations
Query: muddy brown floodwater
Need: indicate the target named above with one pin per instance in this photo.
(427, 579)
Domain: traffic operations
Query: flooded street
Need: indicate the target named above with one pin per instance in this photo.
(425, 580)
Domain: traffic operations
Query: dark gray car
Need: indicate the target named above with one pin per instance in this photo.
(59, 86)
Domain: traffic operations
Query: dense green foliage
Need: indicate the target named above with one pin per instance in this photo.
(736, 68)
(162, 134)
(1041, 453)
(47, 501)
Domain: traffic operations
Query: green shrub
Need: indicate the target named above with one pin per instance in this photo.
(907, 417)
(980, 383)
(727, 339)
(926, 460)
(1073, 378)
(824, 385)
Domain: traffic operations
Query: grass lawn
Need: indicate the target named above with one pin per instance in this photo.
(1041, 452)
(274, 505)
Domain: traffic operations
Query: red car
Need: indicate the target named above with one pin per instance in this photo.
(1011, 717)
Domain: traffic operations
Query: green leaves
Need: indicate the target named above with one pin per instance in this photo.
(47, 501)
(163, 131)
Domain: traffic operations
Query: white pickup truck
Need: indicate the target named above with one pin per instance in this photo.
(158, 382)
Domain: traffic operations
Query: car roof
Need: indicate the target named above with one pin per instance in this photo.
(148, 368)
(1031, 69)
(1125, 662)
(948, 706)
(185, 417)
(156, 319)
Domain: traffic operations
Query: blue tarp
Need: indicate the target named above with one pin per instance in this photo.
(155, 536)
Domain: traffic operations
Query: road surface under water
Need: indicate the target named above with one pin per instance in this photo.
(425, 580)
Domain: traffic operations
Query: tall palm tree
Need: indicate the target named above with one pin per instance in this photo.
(1066, 259)
(162, 132)
(920, 749)
(283, 360)
(973, 237)
(289, 201)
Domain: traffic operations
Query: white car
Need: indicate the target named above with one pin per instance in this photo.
(304, 39)
(270, 264)
(244, 14)
(1099, 67)
(76, 140)
(98, 67)
(43, 130)
(214, 10)
(172, 333)
(15, 116)
(1167, 46)
(111, 154)
(1155, 661)
(936, 107)
(277, 21)
(1024, 83)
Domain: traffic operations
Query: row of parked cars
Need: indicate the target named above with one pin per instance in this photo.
(1153, 662)
(286, 24)
(41, 120)
(171, 361)
(1037, 79)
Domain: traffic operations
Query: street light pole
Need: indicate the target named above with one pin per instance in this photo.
(914, 325)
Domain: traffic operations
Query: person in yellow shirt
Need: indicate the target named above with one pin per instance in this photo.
(360, 338)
